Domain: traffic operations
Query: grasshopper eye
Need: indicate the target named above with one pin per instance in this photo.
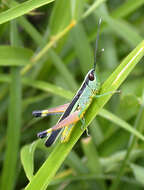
(91, 76)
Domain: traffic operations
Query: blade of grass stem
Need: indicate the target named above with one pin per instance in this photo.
(14, 123)
(48, 46)
(126, 8)
(22, 9)
(131, 144)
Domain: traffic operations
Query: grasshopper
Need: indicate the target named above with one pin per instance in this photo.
(74, 111)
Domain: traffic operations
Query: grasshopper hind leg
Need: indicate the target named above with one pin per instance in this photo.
(52, 137)
(42, 134)
(55, 130)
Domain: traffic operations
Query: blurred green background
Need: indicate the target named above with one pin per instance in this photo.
(46, 49)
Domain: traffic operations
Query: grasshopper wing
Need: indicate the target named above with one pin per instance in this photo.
(55, 130)
(72, 118)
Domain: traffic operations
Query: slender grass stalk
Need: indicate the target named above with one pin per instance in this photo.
(48, 46)
(90, 176)
(92, 8)
(14, 123)
(76, 163)
(21, 9)
(67, 75)
(93, 159)
(53, 40)
(126, 8)
(91, 153)
(131, 145)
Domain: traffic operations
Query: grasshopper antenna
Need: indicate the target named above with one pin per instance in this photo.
(96, 46)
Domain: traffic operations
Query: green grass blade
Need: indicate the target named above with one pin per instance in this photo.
(59, 64)
(120, 27)
(82, 47)
(126, 8)
(96, 132)
(113, 118)
(58, 20)
(131, 145)
(27, 158)
(22, 9)
(92, 8)
(138, 173)
(77, 8)
(41, 85)
(93, 160)
(45, 174)
(76, 163)
(31, 30)
(14, 124)
(27, 26)
(17, 56)
(89, 177)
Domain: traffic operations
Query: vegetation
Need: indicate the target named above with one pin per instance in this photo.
(46, 50)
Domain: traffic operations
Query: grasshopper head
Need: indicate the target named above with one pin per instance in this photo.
(93, 81)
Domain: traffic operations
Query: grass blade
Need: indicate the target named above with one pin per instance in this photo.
(22, 9)
(17, 56)
(14, 124)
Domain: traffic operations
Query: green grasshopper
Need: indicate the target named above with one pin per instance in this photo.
(74, 111)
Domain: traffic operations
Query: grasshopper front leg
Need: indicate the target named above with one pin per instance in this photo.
(107, 93)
